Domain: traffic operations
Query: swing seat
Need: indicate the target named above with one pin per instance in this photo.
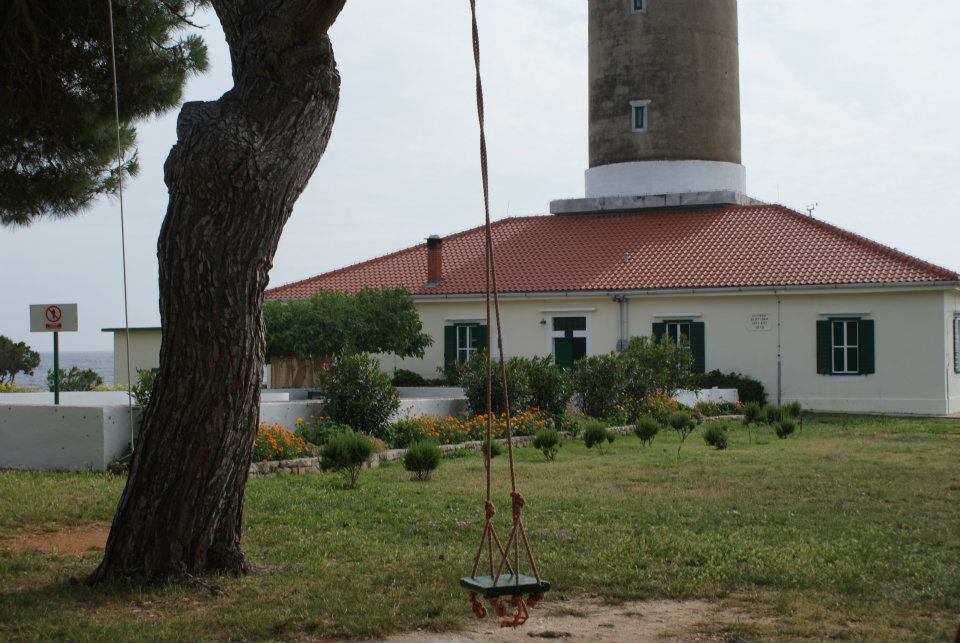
(506, 585)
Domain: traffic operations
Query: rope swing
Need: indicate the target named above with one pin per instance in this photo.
(505, 577)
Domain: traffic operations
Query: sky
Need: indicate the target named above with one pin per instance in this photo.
(849, 105)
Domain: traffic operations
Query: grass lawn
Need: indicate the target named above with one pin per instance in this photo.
(850, 530)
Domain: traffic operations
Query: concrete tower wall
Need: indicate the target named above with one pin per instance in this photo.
(682, 56)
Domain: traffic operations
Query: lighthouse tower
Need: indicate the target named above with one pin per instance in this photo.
(664, 106)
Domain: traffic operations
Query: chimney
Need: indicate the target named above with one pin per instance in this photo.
(434, 261)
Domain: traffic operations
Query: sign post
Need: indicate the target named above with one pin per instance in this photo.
(56, 319)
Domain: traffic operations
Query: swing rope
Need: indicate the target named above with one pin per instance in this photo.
(518, 532)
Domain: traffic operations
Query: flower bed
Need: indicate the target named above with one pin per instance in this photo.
(274, 442)
(451, 430)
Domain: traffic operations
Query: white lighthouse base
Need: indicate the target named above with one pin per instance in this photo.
(645, 178)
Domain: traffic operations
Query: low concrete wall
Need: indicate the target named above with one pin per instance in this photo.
(690, 398)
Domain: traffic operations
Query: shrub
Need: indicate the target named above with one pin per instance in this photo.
(76, 379)
(359, 394)
(16, 388)
(785, 427)
(550, 386)
(421, 459)
(403, 377)
(712, 409)
(752, 413)
(403, 433)
(595, 434)
(496, 449)
(16, 357)
(473, 379)
(684, 424)
(597, 384)
(549, 442)
(274, 442)
(793, 410)
(143, 389)
(772, 414)
(654, 365)
(346, 453)
(748, 388)
(715, 435)
(321, 431)
(659, 406)
(646, 429)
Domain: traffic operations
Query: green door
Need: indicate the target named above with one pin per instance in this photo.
(563, 351)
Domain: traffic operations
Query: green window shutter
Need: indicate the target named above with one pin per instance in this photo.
(480, 337)
(449, 346)
(868, 353)
(698, 341)
(659, 329)
(824, 347)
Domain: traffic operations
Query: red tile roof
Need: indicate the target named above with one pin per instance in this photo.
(723, 246)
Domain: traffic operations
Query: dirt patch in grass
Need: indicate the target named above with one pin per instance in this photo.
(589, 620)
(68, 541)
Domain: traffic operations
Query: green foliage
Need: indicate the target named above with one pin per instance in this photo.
(646, 429)
(403, 433)
(753, 413)
(346, 453)
(76, 379)
(421, 459)
(403, 377)
(713, 409)
(597, 384)
(276, 442)
(321, 431)
(473, 379)
(549, 442)
(496, 449)
(359, 394)
(142, 391)
(684, 424)
(772, 414)
(715, 435)
(550, 386)
(748, 388)
(654, 365)
(793, 410)
(596, 434)
(784, 428)
(332, 324)
(15, 357)
(58, 137)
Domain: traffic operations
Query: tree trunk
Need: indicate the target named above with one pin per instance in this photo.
(238, 167)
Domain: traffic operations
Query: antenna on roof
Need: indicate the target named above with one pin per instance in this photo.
(811, 208)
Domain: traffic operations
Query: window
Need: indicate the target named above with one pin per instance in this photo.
(956, 344)
(461, 341)
(689, 333)
(639, 115)
(638, 6)
(845, 346)
(846, 349)
(568, 340)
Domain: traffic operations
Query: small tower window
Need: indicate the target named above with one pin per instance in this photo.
(638, 6)
(639, 115)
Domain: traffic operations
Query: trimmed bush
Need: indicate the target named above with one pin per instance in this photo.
(597, 384)
(748, 388)
(772, 414)
(496, 449)
(473, 379)
(550, 386)
(716, 436)
(346, 454)
(421, 459)
(359, 394)
(752, 413)
(596, 434)
(403, 377)
(549, 442)
(646, 429)
(784, 428)
(684, 424)
(792, 410)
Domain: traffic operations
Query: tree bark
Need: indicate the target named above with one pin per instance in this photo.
(238, 167)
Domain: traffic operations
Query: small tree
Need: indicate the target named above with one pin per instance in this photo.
(359, 394)
(550, 386)
(597, 384)
(716, 436)
(421, 459)
(646, 429)
(684, 424)
(596, 434)
(549, 442)
(16, 358)
(784, 428)
(346, 453)
(76, 379)
(655, 365)
(473, 379)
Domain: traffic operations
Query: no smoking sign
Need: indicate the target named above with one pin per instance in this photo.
(53, 318)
